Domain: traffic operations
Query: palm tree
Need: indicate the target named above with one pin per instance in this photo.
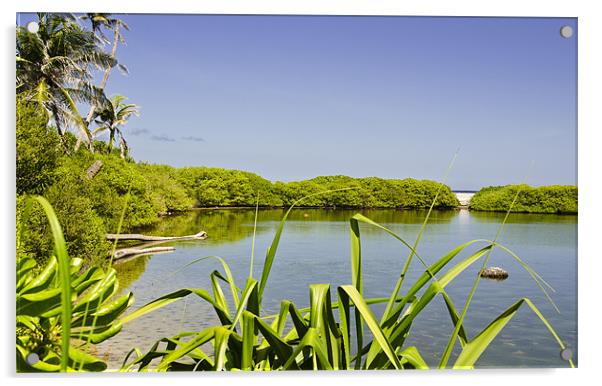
(97, 21)
(53, 69)
(105, 20)
(110, 117)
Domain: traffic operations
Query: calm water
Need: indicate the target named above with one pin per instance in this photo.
(315, 249)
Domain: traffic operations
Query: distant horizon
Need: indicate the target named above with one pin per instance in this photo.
(289, 97)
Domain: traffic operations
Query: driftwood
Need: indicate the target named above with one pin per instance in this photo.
(138, 237)
(496, 273)
(94, 169)
(128, 252)
(148, 247)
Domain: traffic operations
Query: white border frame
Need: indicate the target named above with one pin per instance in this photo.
(589, 34)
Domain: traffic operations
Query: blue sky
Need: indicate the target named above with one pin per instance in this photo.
(294, 97)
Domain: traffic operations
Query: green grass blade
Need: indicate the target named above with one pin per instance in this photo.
(60, 249)
(344, 320)
(222, 335)
(413, 357)
(271, 253)
(406, 267)
(200, 339)
(120, 223)
(249, 340)
(373, 325)
(400, 328)
(234, 290)
(475, 348)
(281, 348)
(173, 297)
(218, 294)
(251, 283)
(356, 277)
(452, 339)
(252, 262)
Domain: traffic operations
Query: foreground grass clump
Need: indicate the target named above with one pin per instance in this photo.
(544, 199)
(63, 308)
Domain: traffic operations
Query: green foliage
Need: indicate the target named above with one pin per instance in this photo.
(84, 230)
(221, 187)
(368, 192)
(166, 193)
(60, 307)
(544, 199)
(38, 149)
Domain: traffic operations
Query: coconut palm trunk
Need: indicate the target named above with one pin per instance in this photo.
(103, 83)
(105, 77)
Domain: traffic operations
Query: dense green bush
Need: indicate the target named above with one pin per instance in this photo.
(222, 187)
(38, 149)
(544, 199)
(83, 229)
(369, 192)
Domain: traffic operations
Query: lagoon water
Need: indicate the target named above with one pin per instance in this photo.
(315, 249)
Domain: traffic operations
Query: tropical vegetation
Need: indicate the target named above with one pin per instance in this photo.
(560, 199)
(67, 292)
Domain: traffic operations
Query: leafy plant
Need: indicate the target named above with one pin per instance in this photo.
(60, 309)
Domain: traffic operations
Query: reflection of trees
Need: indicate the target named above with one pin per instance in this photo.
(227, 225)
(523, 218)
(220, 225)
(381, 216)
(129, 270)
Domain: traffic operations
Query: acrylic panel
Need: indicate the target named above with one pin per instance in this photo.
(280, 192)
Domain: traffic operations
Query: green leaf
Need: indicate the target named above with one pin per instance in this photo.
(475, 348)
(249, 340)
(412, 356)
(362, 307)
(201, 338)
(60, 249)
(221, 344)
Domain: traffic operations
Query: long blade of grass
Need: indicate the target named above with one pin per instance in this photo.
(251, 283)
(373, 325)
(413, 357)
(271, 253)
(399, 330)
(249, 340)
(60, 249)
(200, 339)
(120, 223)
(311, 340)
(356, 277)
(452, 338)
(175, 296)
(230, 278)
(406, 267)
(253, 242)
(222, 335)
(475, 348)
